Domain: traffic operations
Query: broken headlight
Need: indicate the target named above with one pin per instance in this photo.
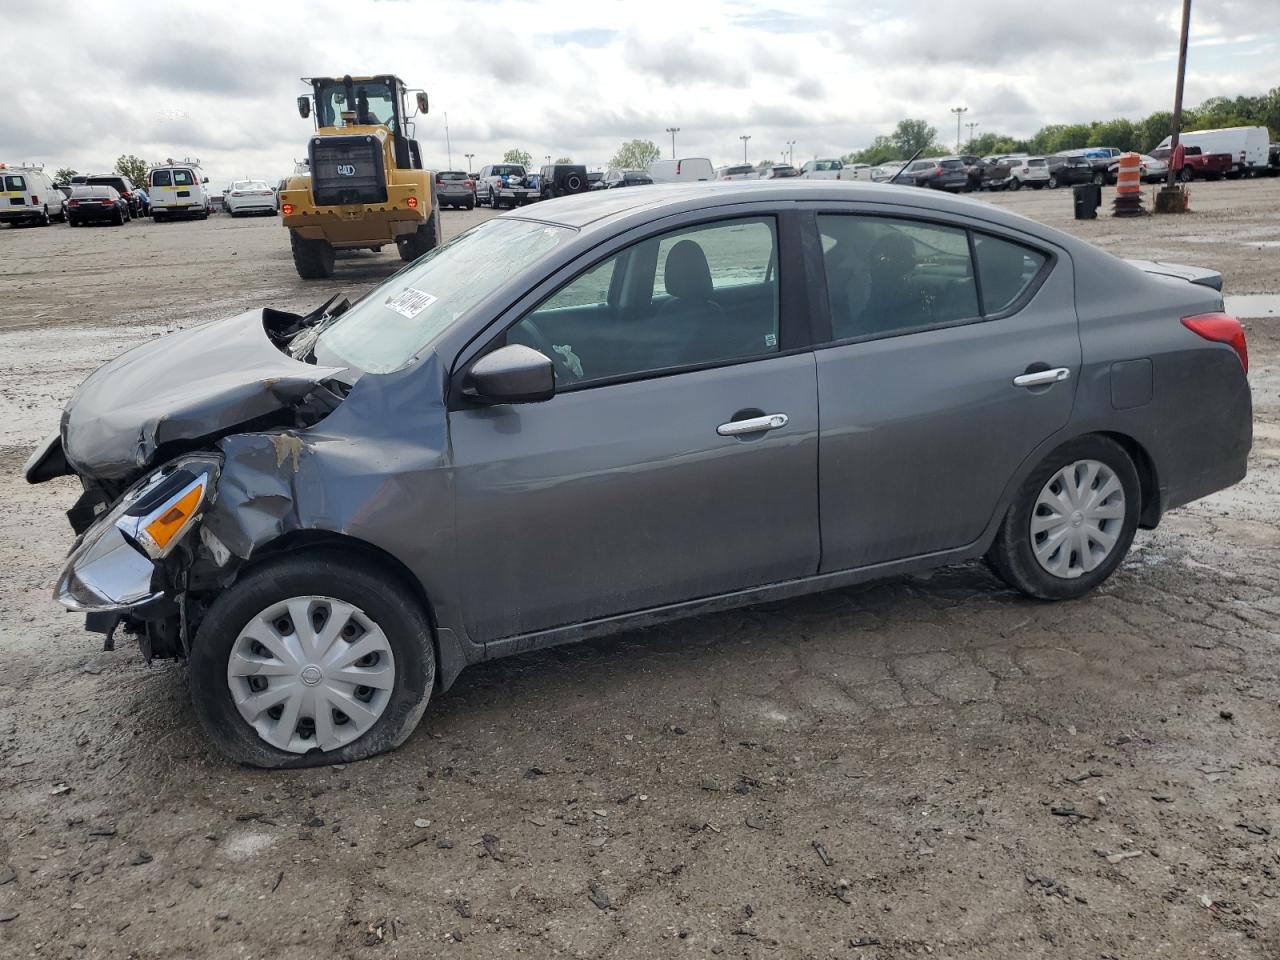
(111, 567)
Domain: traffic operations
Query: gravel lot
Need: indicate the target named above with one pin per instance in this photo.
(927, 766)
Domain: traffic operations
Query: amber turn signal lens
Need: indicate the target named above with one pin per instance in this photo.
(163, 529)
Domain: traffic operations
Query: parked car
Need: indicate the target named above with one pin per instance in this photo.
(736, 171)
(1028, 171)
(684, 169)
(626, 178)
(503, 185)
(1150, 169)
(829, 168)
(563, 180)
(327, 568)
(989, 173)
(1273, 159)
(455, 188)
(942, 173)
(910, 171)
(250, 196)
(179, 190)
(595, 180)
(779, 171)
(27, 195)
(886, 172)
(144, 201)
(1249, 147)
(95, 203)
(1067, 171)
(122, 185)
(1197, 165)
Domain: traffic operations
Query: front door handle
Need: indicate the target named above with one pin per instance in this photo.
(736, 428)
(1042, 378)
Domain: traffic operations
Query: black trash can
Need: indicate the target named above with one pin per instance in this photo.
(1088, 198)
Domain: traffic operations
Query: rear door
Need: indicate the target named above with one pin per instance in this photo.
(924, 420)
(15, 191)
(655, 475)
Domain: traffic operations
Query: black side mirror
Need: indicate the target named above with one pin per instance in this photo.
(511, 374)
(304, 107)
(422, 102)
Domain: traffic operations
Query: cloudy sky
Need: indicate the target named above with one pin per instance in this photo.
(218, 81)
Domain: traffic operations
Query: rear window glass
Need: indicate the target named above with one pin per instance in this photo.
(1005, 270)
(952, 164)
(1037, 162)
(161, 178)
(15, 183)
(828, 165)
(735, 171)
(183, 178)
(91, 192)
(451, 175)
(508, 170)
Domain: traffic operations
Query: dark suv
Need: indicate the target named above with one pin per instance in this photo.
(943, 173)
(563, 179)
(122, 185)
(1069, 170)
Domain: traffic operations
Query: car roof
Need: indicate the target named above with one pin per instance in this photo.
(602, 211)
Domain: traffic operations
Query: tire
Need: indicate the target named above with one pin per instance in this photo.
(1100, 179)
(44, 220)
(1053, 183)
(392, 621)
(118, 219)
(1185, 175)
(1015, 184)
(1013, 554)
(493, 203)
(471, 203)
(426, 239)
(313, 259)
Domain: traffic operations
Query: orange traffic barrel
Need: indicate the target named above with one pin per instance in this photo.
(1129, 178)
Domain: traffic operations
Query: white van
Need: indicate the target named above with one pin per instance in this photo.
(686, 168)
(178, 190)
(27, 195)
(1249, 146)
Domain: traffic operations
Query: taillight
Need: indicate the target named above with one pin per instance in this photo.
(937, 171)
(34, 200)
(439, 181)
(286, 209)
(679, 163)
(413, 203)
(1221, 328)
(73, 203)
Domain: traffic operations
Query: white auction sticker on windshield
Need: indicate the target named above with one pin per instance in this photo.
(409, 302)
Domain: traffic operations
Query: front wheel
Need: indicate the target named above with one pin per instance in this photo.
(1100, 179)
(312, 659)
(1015, 184)
(1071, 522)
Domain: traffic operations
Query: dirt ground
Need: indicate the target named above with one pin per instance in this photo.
(930, 766)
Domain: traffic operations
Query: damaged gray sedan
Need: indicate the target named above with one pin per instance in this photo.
(625, 407)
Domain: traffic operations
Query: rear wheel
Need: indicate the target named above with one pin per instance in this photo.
(1185, 174)
(44, 217)
(425, 239)
(1053, 182)
(1015, 184)
(118, 219)
(313, 259)
(312, 659)
(1071, 522)
(471, 202)
(1100, 178)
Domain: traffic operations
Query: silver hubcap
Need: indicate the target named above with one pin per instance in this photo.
(311, 673)
(1077, 519)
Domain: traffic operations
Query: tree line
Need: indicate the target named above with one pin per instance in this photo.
(1140, 135)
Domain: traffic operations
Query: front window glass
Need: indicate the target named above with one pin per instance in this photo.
(374, 102)
(887, 276)
(385, 329)
(695, 296)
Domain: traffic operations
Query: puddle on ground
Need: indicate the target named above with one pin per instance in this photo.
(1253, 306)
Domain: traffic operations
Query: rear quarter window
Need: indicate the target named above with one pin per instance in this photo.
(14, 182)
(1005, 270)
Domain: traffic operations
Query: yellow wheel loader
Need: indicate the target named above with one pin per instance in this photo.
(366, 188)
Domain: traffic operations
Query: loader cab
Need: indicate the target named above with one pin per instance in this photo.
(343, 102)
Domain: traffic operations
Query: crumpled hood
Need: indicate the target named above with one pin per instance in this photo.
(177, 389)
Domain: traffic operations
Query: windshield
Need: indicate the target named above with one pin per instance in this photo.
(374, 103)
(385, 329)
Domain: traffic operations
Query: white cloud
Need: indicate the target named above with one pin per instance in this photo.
(579, 78)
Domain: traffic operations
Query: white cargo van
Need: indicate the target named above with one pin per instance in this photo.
(27, 195)
(686, 168)
(178, 190)
(1248, 146)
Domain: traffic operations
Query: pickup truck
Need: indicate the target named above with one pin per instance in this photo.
(503, 185)
(1198, 165)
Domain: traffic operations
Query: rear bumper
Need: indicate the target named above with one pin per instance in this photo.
(454, 196)
(93, 213)
(18, 213)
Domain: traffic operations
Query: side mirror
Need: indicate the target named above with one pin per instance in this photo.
(511, 374)
(304, 107)
(205, 180)
(422, 102)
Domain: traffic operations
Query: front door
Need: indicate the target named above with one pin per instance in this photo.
(678, 459)
(941, 380)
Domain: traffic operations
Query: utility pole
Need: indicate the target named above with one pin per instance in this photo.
(469, 157)
(448, 147)
(959, 112)
(744, 138)
(1177, 93)
(791, 151)
(971, 125)
(673, 131)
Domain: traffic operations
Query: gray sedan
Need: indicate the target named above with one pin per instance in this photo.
(625, 407)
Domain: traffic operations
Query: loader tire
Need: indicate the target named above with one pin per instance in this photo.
(426, 239)
(312, 258)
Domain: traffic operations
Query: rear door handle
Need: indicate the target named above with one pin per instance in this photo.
(1042, 378)
(736, 428)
